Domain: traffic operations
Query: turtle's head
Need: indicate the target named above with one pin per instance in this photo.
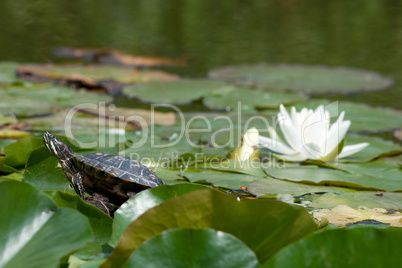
(58, 148)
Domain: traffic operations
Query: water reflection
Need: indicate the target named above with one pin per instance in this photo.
(361, 33)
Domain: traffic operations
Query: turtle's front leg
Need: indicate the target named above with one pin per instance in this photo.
(77, 184)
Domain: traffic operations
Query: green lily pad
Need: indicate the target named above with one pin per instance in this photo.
(143, 201)
(209, 248)
(379, 175)
(377, 148)
(274, 223)
(7, 73)
(363, 117)
(357, 247)
(101, 223)
(312, 79)
(24, 107)
(274, 187)
(55, 95)
(253, 168)
(231, 181)
(34, 232)
(175, 92)
(235, 98)
(368, 199)
(42, 171)
(17, 153)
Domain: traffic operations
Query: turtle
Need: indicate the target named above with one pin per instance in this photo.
(116, 177)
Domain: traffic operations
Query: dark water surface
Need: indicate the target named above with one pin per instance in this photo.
(208, 33)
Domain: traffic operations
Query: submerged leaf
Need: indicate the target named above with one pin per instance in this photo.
(341, 215)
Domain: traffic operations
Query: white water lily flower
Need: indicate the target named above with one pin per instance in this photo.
(308, 135)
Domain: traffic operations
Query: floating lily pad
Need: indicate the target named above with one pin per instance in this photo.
(43, 173)
(363, 117)
(17, 153)
(101, 223)
(23, 106)
(176, 92)
(110, 78)
(34, 231)
(274, 187)
(356, 199)
(333, 248)
(377, 175)
(219, 179)
(263, 225)
(377, 147)
(7, 73)
(312, 79)
(209, 248)
(235, 98)
(56, 95)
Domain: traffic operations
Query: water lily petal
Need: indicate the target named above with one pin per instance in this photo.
(291, 134)
(294, 158)
(352, 149)
(294, 117)
(315, 129)
(336, 134)
(275, 145)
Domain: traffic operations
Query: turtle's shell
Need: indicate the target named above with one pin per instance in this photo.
(116, 177)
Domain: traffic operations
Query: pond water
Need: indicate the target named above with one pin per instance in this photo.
(362, 33)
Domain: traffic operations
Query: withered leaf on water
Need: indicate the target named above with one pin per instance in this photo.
(112, 56)
(109, 78)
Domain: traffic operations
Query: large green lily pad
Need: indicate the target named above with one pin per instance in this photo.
(312, 79)
(175, 92)
(378, 175)
(33, 231)
(368, 199)
(357, 247)
(265, 226)
(209, 248)
(236, 98)
(363, 117)
(143, 201)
